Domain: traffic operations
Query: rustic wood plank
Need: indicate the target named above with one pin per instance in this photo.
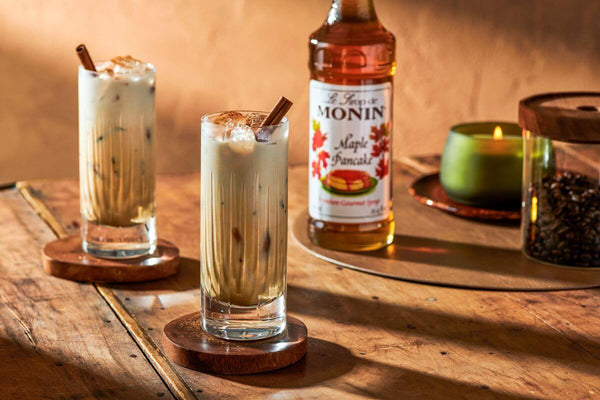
(58, 339)
(148, 346)
(372, 337)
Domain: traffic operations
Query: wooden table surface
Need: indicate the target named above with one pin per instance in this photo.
(370, 337)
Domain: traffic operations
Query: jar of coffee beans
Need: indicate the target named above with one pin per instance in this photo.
(561, 194)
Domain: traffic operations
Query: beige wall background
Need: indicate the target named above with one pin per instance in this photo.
(458, 60)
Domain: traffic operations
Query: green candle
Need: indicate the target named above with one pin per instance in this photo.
(482, 168)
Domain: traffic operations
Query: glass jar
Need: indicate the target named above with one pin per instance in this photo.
(561, 175)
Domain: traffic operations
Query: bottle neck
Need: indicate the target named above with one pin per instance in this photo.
(351, 11)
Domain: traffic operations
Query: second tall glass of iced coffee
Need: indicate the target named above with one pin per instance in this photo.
(243, 225)
(116, 158)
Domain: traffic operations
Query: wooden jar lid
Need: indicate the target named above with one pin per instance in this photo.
(567, 117)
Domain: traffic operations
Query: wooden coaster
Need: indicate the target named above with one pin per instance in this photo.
(186, 343)
(64, 258)
(449, 263)
(429, 191)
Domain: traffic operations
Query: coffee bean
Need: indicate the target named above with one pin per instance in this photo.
(573, 209)
(567, 228)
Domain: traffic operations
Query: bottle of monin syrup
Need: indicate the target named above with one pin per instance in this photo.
(352, 64)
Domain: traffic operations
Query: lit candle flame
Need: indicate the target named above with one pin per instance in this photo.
(498, 133)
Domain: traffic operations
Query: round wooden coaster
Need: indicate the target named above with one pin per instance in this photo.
(64, 258)
(441, 262)
(429, 191)
(186, 343)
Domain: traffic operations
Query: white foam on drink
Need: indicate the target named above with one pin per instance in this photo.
(126, 67)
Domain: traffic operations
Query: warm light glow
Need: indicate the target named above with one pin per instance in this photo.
(534, 208)
(498, 133)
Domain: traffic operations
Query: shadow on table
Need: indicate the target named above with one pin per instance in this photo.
(452, 254)
(469, 256)
(397, 383)
(187, 278)
(420, 323)
(326, 361)
(323, 361)
(35, 374)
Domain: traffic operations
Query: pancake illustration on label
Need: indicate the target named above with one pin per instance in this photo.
(348, 182)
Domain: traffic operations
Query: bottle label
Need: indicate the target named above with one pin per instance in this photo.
(349, 152)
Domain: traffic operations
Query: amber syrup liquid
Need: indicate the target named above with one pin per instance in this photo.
(352, 48)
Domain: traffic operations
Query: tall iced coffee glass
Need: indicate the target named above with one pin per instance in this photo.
(116, 158)
(243, 225)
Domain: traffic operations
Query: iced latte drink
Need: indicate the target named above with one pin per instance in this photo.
(116, 158)
(243, 225)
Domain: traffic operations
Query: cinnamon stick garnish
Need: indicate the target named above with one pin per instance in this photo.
(85, 58)
(273, 118)
(278, 112)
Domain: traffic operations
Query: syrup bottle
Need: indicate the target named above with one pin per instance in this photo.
(352, 64)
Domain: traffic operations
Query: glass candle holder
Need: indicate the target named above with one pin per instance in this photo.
(482, 164)
(561, 175)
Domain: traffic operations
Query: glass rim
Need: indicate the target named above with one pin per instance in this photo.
(152, 71)
(473, 128)
(205, 117)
